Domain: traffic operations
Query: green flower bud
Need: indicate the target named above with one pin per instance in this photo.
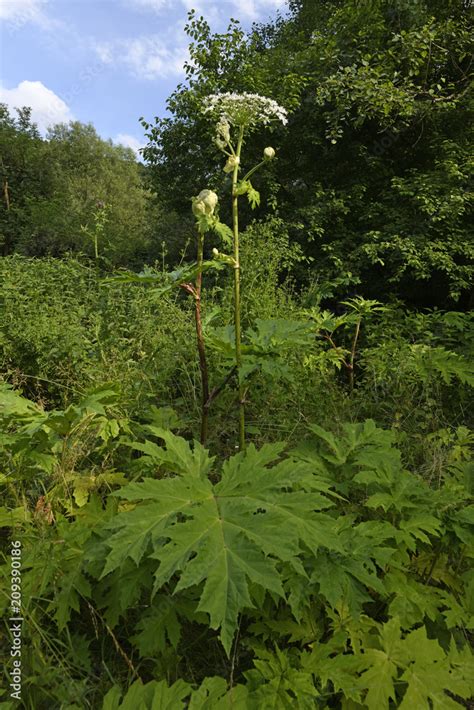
(210, 200)
(223, 129)
(205, 203)
(199, 208)
(268, 153)
(232, 161)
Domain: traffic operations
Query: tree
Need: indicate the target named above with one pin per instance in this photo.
(372, 175)
(26, 170)
(100, 173)
(55, 185)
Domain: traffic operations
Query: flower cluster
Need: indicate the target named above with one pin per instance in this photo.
(244, 109)
(222, 138)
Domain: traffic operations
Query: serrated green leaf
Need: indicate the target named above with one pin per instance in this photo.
(253, 197)
(226, 536)
(213, 694)
(157, 626)
(224, 232)
(378, 678)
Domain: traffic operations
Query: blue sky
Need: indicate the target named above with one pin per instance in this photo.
(107, 62)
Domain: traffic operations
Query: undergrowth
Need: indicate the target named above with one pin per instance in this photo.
(329, 565)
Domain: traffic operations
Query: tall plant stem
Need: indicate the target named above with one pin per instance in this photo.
(353, 354)
(238, 335)
(200, 343)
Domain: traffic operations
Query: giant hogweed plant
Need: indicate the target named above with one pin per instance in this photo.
(330, 575)
(204, 206)
(237, 115)
(190, 279)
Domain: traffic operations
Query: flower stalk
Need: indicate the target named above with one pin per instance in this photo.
(203, 208)
(243, 112)
(200, 342)
(238, 333)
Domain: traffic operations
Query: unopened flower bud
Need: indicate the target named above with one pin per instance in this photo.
(199, 208)
(223, 129)
(268, 153)
(215, 252)
(205, 203)
(232, 161)
(210, 200)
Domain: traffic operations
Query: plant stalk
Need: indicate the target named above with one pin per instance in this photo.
(200, 343)
(353, 354)
(238, 335)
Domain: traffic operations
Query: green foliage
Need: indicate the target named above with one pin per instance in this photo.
(266, 346)
(245, 187)
(372, 175)
(66, 446)
(332, 573)
(56, 204)
(330, 564)
(64, 331)
(163, 282)
(227, 531)
(158, 695)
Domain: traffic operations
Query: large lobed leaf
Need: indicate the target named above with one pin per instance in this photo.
(222, 536)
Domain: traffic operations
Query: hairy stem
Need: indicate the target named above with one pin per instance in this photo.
(251, 172)
(200, 343)
(238, 335)
(217, 390)
(353, 353)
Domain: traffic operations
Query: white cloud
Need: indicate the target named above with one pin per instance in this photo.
(104, 52)
(17, 13)
(47, 107)
(129, 142)
(163, 55)
(214, 10)
(145, 57)
(258, 9)
(210, 9)
(155, 5)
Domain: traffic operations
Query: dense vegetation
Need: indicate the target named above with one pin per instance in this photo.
(56, 190)
(316, 551)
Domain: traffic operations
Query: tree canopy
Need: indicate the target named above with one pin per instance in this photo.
(373, 170)
(53, 188)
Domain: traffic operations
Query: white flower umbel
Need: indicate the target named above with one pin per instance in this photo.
(244, 110)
